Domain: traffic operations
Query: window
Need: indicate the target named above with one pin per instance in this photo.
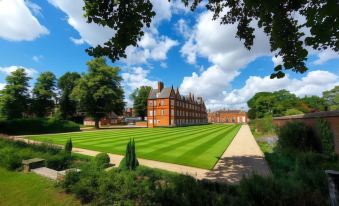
(154, 102)
(150, 103)
(151, 121)
(172, 121)
(172, 102)
(162, 112)
(151, 113)
(162, 103)
(172, 112)
(155, 113)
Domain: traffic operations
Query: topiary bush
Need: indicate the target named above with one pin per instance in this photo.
(68, 146)
(102, 160)
(297, 136)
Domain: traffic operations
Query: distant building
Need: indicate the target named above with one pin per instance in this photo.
(110, 119)
(166, 107)
(228, 116)
(129, 112)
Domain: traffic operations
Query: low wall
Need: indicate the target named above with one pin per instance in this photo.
(332, 117)
(141, 124)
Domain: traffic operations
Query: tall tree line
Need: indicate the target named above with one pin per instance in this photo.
(96, 93)
(283, 102)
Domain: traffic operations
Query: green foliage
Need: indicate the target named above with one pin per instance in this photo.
(102, 160)
(282, 102)
(130, 160)
(14, 98)
(37, 126)
(68, 146)
(263, 126)
(127, 18)
(293, 112)
(277, 20)
(139, 97)
(44, 94)
(326, 137)
(13, 152)
(296, 136)
(314, 103)
(59, 161)
(66, 84)
(332, 98)
(99, 92)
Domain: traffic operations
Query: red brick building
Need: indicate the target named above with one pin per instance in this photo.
(166, 107)
(228, 116)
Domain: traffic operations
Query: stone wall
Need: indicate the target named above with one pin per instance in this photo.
(332, 117)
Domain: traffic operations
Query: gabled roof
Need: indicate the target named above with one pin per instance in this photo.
(165, 93)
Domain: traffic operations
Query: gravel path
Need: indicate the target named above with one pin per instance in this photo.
(243, 157)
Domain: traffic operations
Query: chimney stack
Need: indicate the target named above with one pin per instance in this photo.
(160, 86)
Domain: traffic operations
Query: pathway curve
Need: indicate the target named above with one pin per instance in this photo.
(242, 158)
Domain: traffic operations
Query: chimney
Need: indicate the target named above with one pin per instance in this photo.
(160, 86)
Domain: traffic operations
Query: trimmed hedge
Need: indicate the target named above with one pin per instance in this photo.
(37, 126)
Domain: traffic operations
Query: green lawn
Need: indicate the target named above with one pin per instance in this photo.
(17, 188)
(197, 146)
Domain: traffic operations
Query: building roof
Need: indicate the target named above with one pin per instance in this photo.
(165, 93)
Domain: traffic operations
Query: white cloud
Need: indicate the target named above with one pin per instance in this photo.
(163, 65)
(35, 8)
(2, 86)
(226, 53)
(209, 84)
(8, 70)
(92, 33)
(134, 78)
(150, 48)
(277, 60)
(325, 56)
(37, 58)
(17, 22)
(314, 83)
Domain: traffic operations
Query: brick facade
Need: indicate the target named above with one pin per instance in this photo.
(167, 108)
(332, 117)
(228, 116)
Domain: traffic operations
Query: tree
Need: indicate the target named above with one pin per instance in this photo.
(278, 19)
(66, 84)
(44, 94)
(130, 160)
(99, 92)
(293, 112)
(14, 99)
(139, 97)
(315, 103)
(332, 98)
(68, 146)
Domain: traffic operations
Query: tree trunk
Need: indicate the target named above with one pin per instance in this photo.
(96, 120)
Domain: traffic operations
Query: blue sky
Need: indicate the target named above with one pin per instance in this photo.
(181, 48)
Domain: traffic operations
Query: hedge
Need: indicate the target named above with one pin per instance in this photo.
(37, 126)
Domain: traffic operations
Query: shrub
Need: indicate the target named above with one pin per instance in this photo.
(59, 162)
(71, 178)
(68, 146)
(293, 112)
(102, 160)
(326, 137)
(130, 160)
(37, 126)
(296, 136)
(264, 125)
(9, 159)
